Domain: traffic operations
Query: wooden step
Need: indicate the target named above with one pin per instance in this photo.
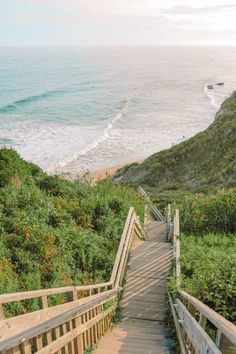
(158, 299)
(120, 333)
(136, 304)
(124, 350)
(149, 315)
(139, 323)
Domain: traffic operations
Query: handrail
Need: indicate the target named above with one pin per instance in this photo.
(72, 291)
(75, 328)
(224, 326)
(13, 325)
(193, 314)
(156, 212)
(125, 243)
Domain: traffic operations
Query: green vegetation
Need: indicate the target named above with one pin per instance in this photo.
(55, 232)
(202, 163)
(215, 212)
(209, 271)
(208, 249)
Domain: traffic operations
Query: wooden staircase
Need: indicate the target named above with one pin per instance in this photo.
(84, 320)
(142, 326)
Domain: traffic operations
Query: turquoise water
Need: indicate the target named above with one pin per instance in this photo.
(73, 109)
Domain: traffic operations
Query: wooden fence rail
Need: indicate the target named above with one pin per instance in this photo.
(153, 209)
(192, 317)
(71, 331)
(72, 293)
(132, 231)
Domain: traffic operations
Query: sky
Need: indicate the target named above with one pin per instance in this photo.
(117, 22)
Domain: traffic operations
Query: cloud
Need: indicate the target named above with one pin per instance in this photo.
(188, 10)
(119, 21)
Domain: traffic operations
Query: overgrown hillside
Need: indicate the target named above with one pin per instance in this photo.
(206, 161)
(55, 232)
(208, 249)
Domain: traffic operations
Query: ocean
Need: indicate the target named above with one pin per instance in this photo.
(80, 109)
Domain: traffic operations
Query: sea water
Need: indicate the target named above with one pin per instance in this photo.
(86, 108)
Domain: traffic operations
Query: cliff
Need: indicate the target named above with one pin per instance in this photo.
(206, 161)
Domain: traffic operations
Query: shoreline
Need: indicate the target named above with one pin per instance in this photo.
(107, 172)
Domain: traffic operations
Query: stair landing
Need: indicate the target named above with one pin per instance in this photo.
(142, 326)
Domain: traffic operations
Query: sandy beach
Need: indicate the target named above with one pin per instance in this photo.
(108, 171)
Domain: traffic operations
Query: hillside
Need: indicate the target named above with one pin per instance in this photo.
(55, 232)
(206, 161)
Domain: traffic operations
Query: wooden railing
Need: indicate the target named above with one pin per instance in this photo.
(192, 318)
(76, 324)
(69, 332)
(151, 207)
(71, 293)
(132, 227)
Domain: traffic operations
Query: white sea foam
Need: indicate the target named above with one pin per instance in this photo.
(94, 144)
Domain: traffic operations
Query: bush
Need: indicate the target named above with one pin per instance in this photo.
(215, 212)
(208, 266)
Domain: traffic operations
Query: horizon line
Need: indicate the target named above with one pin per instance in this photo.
(115, 45)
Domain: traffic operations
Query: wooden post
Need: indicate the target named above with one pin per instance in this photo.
(224, 344)
(72, 344)
(1, 312)
(146, 215)
(178, 268)
(177, 247)
(202, 321)
(44, 301)
(39, 343)
(169, 222)
(26, 348)
(168, 212)
(177, 226)
(74, 294)
(78, 344)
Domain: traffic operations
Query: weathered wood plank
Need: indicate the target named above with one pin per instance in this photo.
(19, 296)
(178, 328)
(225, 326)
(7, 298)
(201, 342)
(121, 245)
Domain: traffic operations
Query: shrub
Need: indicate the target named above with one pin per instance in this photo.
(202, 213)
(208, 266)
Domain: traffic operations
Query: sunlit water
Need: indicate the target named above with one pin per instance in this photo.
(78, 109)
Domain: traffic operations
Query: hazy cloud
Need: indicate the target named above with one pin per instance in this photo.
(187, 10)
(120, 22)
